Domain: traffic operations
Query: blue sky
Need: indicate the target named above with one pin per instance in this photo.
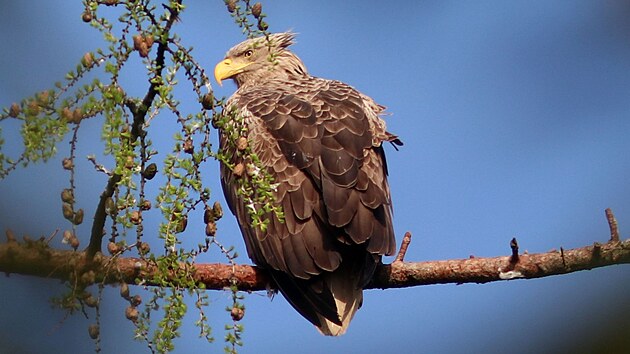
(515, 118)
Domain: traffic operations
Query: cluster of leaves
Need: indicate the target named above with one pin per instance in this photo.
(256, 186)
(93, 90)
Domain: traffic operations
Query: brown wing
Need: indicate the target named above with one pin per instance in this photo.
(316, 138)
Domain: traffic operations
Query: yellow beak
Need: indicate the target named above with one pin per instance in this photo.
(227, 68)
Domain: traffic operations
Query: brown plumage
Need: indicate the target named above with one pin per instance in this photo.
(321, 141)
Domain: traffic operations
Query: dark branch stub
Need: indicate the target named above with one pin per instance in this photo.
(514, 246)
(98, 226)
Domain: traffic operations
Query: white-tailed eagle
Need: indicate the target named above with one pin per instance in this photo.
(321, 142)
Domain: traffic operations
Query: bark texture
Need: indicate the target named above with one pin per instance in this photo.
(35, 258)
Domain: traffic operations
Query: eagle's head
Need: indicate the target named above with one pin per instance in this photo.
(257, 60)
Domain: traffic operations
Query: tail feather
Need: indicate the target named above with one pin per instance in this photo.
(309, 297)
(329, 300)
(348, 299)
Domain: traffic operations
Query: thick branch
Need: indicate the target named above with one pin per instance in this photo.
(37, 259)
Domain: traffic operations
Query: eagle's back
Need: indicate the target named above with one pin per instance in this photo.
(321, 141)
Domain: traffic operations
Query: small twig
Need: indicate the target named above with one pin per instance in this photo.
(403, 247)
(514, 246)
(612, 223)
(98, 166)
(52, 236)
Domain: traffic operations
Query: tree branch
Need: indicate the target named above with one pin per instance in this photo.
(139, 114)
(36, 258)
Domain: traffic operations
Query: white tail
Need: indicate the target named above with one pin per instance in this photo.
(348, 299)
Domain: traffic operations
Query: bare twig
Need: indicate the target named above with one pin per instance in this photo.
(612, 224)
(97, 166)
(52, 235)
(403, 247)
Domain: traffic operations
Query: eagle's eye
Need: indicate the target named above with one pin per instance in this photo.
(248, 53)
